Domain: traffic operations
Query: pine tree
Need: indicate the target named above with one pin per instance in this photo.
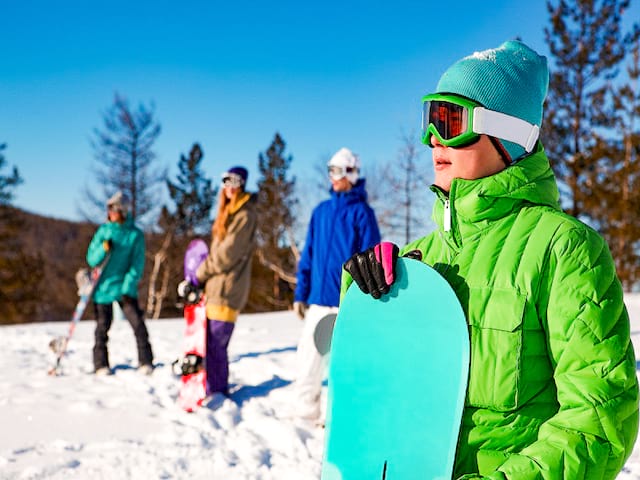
(617, 203)
(7, 182)
(588, 130)
(274, 277)
(193, 197)
(587, 46)
(20, 272)
(123, 150)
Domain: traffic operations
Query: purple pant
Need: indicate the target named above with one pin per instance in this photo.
(217, 359)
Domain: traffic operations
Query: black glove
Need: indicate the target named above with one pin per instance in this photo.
(374, 269)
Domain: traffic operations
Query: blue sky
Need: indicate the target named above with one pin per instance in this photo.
(229, 75)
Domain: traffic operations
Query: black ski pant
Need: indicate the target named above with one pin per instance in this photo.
(104, 318)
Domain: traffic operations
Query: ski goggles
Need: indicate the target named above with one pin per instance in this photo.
(232, 180)
(458, 122)
(337, 172)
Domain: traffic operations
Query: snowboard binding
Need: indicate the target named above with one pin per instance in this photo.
(190, 363)
(189, 293)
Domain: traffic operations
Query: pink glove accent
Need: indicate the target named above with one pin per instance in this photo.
(384, 254)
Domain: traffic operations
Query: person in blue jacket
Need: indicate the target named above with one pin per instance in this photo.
(124, 243)
(339, 227)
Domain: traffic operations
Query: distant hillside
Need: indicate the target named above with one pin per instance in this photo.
(63, 245)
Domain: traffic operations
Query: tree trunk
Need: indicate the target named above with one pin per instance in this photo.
(155, 296)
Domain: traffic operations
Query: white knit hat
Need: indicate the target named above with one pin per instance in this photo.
(118, 202)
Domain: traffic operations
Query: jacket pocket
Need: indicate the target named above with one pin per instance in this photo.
(496, 318)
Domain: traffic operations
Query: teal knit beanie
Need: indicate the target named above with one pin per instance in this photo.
(510, 79)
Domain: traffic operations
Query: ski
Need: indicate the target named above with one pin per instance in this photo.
(87, 281)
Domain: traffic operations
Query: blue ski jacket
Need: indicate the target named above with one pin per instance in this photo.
(340, 226)
(124, 269)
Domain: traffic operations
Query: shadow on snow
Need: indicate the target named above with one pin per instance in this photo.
(248, 392)
(267, 352)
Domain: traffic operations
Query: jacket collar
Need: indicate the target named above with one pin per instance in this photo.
(474, 204)
(237, 203)
(356, 194)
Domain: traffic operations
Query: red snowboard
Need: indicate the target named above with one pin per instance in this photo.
(192, 364)
(192, 387)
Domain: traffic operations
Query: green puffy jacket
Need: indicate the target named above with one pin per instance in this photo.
(124, 269)
(552, 391)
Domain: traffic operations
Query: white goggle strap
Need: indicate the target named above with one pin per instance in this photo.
(505, 127)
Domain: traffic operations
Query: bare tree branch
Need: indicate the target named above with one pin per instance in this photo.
(286, 276)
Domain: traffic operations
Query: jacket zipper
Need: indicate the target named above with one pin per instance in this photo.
(447, 216)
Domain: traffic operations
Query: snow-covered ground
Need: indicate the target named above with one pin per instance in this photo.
(128, 426)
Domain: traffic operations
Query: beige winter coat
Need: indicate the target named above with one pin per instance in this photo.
(227, 269)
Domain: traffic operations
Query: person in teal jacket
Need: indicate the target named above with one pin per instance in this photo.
(123, 243)
(552, 390)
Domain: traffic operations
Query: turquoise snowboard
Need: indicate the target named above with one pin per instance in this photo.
(397, 380)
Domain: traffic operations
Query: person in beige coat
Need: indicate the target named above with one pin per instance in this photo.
(226, 273)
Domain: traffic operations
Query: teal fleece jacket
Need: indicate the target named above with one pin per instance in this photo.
(125, 265)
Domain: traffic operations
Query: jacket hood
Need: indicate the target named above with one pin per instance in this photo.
(475, 203)
(127, 222)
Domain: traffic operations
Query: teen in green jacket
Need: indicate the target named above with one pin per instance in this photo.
(552, 388)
